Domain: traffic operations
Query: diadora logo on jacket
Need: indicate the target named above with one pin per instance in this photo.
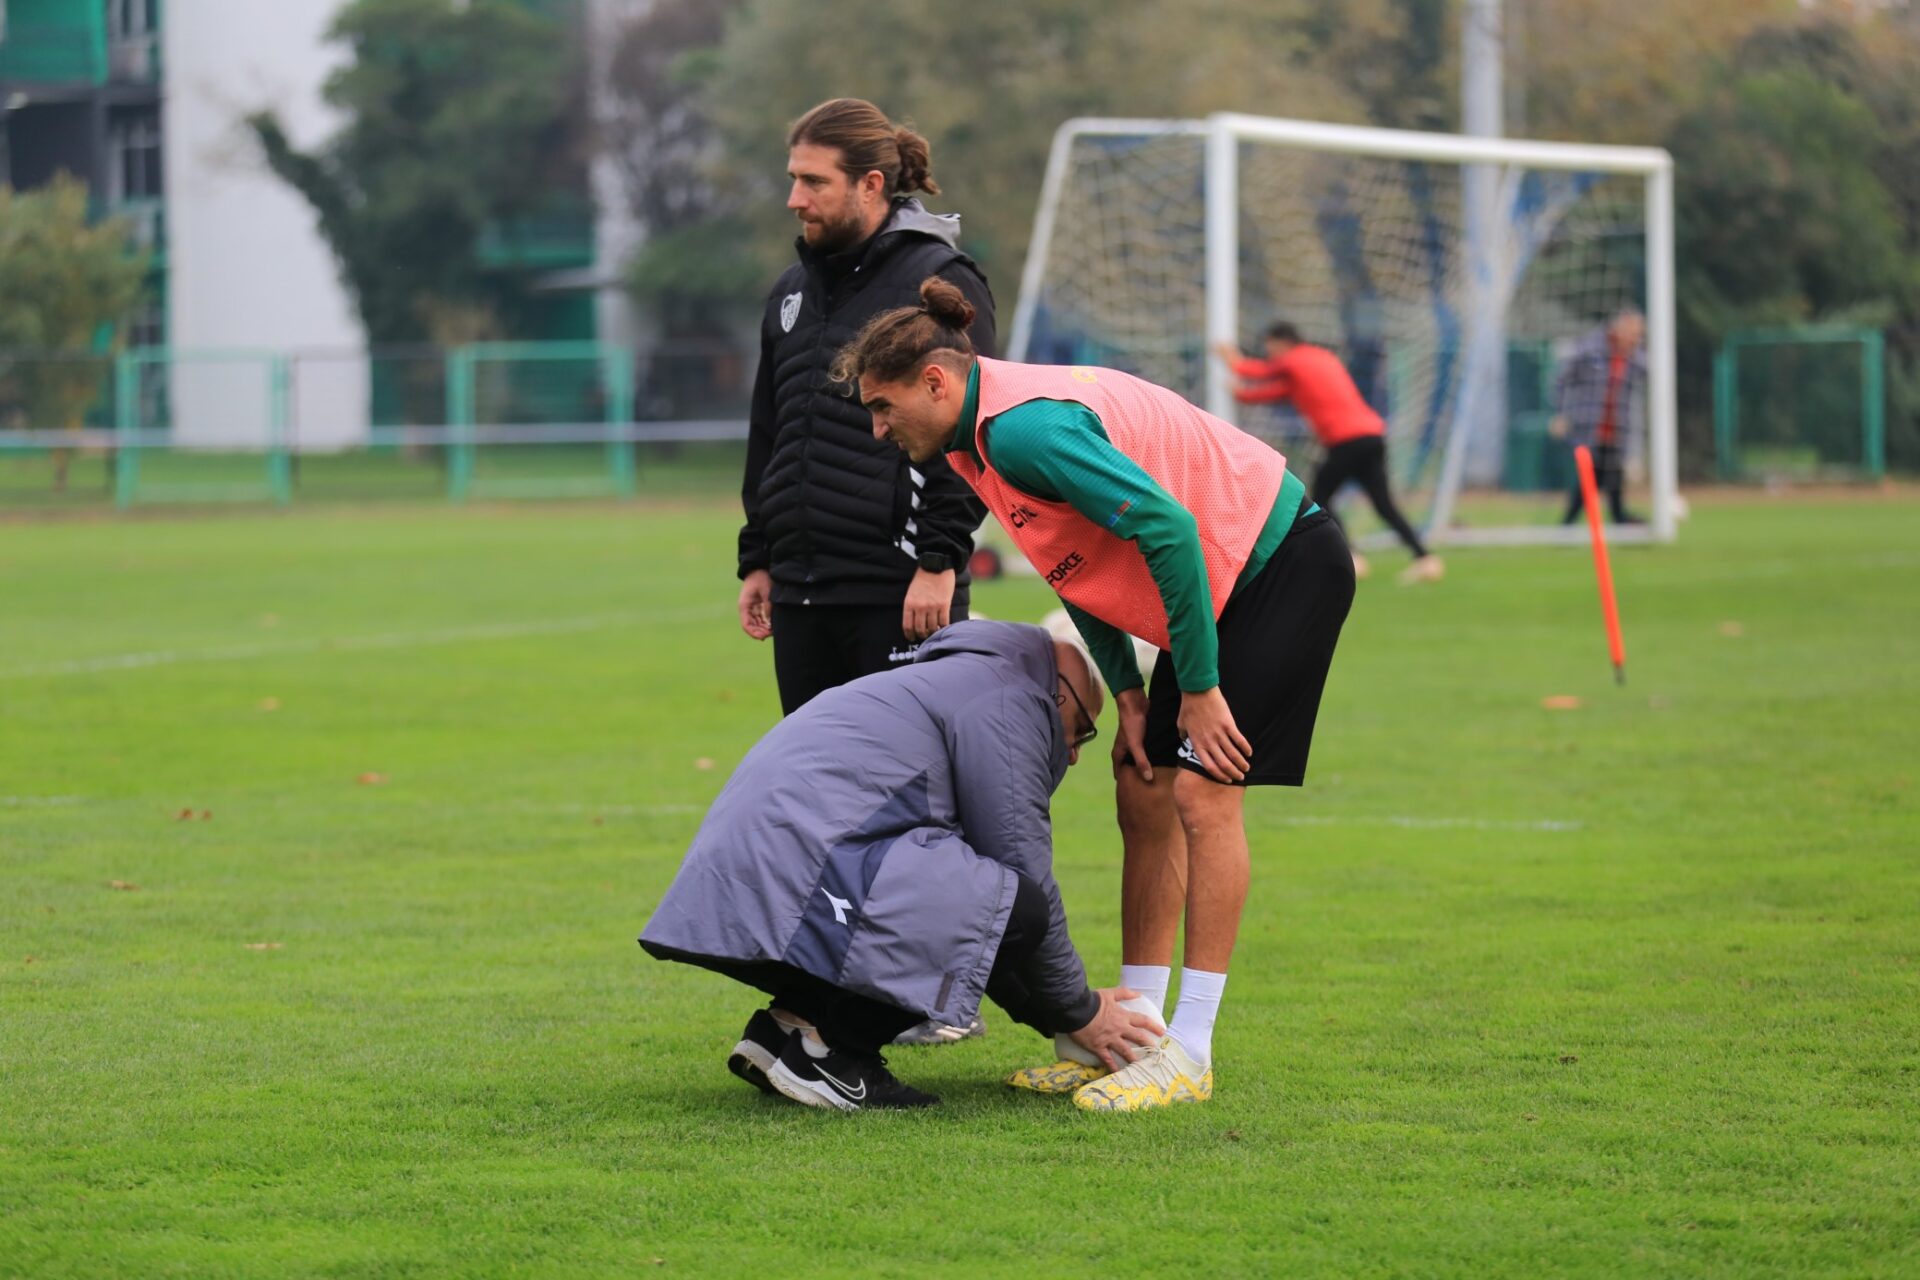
(1020, 514)
(1060, 571)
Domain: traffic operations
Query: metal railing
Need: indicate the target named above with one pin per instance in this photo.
(492, 420)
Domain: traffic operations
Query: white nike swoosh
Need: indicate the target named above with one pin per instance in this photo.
(842, 1086)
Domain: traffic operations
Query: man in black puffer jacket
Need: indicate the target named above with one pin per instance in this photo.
(850, 555)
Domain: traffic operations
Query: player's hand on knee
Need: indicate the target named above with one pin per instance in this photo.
(1130, 744)
(1115, 1035)
(1207, 724)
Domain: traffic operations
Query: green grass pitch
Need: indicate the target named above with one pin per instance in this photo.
(1628, 990)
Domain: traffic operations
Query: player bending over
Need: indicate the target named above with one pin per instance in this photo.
(1153, 519)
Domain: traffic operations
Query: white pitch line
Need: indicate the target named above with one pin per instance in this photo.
(350, 644)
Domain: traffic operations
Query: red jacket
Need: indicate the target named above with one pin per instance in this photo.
(1320, 388)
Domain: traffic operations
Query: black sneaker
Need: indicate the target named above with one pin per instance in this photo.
(759, 1048)
(842, 1081)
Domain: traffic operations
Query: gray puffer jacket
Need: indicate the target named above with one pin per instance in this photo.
(871, 837)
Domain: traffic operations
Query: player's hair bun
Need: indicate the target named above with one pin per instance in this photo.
(916, 163)
(943, 301)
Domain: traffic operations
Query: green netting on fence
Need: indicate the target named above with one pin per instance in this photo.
(1800, 405)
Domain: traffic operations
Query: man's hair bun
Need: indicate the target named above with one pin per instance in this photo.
(943, 301)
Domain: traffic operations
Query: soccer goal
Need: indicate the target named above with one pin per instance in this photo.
(1455, 276)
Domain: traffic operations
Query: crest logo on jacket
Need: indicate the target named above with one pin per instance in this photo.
(789, 312)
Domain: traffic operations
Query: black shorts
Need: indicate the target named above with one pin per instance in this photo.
(1277, 636)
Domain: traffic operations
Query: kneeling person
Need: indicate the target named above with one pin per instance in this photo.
(885, 855)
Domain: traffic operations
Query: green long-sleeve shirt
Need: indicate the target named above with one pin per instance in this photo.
(1058, 451)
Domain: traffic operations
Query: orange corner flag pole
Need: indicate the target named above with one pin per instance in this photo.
(1590, 494)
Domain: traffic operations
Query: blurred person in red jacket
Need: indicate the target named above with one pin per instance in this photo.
(1353, 435)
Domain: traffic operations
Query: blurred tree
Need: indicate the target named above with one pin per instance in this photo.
(653, 123)
(989, 91)
(1893, 59)
(68, 285)
(1798, 199)
(1398, 58)
(1601, 71)
(458, 120)
(1798, 142)
(1781, 208)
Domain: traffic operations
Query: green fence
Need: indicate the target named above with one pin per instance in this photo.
(508, 399)
(239, 398)
(480, 422)
(1800, 404)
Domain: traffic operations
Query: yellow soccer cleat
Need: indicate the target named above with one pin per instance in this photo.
(1061, 1077)
(1162, 1076)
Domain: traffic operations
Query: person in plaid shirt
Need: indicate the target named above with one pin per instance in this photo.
(1600, 390)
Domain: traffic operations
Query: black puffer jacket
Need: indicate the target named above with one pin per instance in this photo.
(836, 516)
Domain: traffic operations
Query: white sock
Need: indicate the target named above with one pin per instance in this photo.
(1069, 1050)
(1150, 980)
(789, 1022)
(1192, 1026)
(810, 1041)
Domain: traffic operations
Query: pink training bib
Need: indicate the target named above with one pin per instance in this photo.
(1227, 479)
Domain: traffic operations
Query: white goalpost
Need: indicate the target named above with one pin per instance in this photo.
(1156, 239)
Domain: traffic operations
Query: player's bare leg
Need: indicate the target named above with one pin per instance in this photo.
(1213, 839)
(1215, 836)
(1153, 875)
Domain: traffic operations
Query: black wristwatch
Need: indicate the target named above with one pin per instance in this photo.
(935, 561)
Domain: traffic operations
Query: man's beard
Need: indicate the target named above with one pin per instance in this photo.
(837, 236)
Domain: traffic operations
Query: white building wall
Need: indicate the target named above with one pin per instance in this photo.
(248, 270)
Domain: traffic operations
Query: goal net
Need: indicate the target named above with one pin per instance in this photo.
(1457, 278)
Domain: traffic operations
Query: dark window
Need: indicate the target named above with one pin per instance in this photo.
(132, 18)
(136, 148)
(148, 327)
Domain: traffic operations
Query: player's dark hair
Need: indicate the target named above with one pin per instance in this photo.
(1283, 331)
(866, 141)
(897, 343)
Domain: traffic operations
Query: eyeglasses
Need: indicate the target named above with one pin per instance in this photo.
(1093, 730)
